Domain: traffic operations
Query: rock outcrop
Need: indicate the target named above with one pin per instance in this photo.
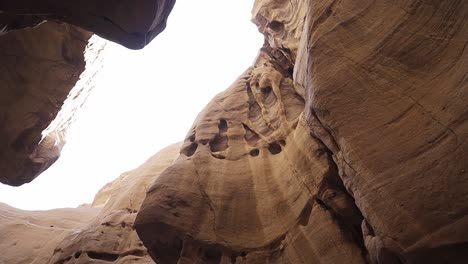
(131, 23)
(387, 92)
(38, 69)
(251, 184)
(344, 143)
(41, 62)
(30, 237)
(88, 234)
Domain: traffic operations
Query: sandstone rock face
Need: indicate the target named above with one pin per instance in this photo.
(131, 23)
(110, 237)
(86, 234)
(40, 66)
(38, 69)
(344, 143)
(30, 237)
(251, 184)
(387, 90)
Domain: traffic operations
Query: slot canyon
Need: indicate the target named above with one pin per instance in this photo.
(344, 142)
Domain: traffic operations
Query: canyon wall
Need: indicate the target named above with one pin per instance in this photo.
(96, 233)
(387, 92)
(41, 63)
(132, 24)
(39, 67)
(345, 142)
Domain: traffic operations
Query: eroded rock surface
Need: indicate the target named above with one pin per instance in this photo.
(30, 237)
(40, 63)
(251, 184)
(344, 143)
(111, 236)
(387, 90)
(38, 69)
(99, 233)
(131, 23)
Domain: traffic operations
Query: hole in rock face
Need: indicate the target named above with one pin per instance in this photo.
(243, 254)
(265, 90)
(219, 143)
(274, 148)
(210, 255)
(218, 156)
(136, 252)
(276, 26)
(77, 255)
(167, 251)
(190, 150)
(268, 96)
(282, 142)
(305, 214)
(250, 136)
(254, 152)
(102, 256)
(192, 138)
(222, 125)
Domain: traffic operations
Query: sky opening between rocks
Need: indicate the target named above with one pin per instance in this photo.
(145, 100)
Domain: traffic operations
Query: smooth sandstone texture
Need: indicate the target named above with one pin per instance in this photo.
(38, 68)
(387, 90)
(130, 23)
(102, 233)
(111, 237)
(373, 170)
(30, 237)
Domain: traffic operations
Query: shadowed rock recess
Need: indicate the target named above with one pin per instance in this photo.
(38, 69)
(130, 23)
(40, 63)
(344, 142)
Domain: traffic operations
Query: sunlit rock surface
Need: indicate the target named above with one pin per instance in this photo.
(99, 233)
(38, 69)
(28, 237)
(251, 184)
(344, 143)
(131, 23)
(387, 91)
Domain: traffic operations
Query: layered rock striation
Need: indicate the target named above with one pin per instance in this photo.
(251, 184)
(345, 142)
(99, 233)
(387, 90)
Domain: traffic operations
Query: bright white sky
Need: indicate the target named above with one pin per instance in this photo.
(145, 100)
